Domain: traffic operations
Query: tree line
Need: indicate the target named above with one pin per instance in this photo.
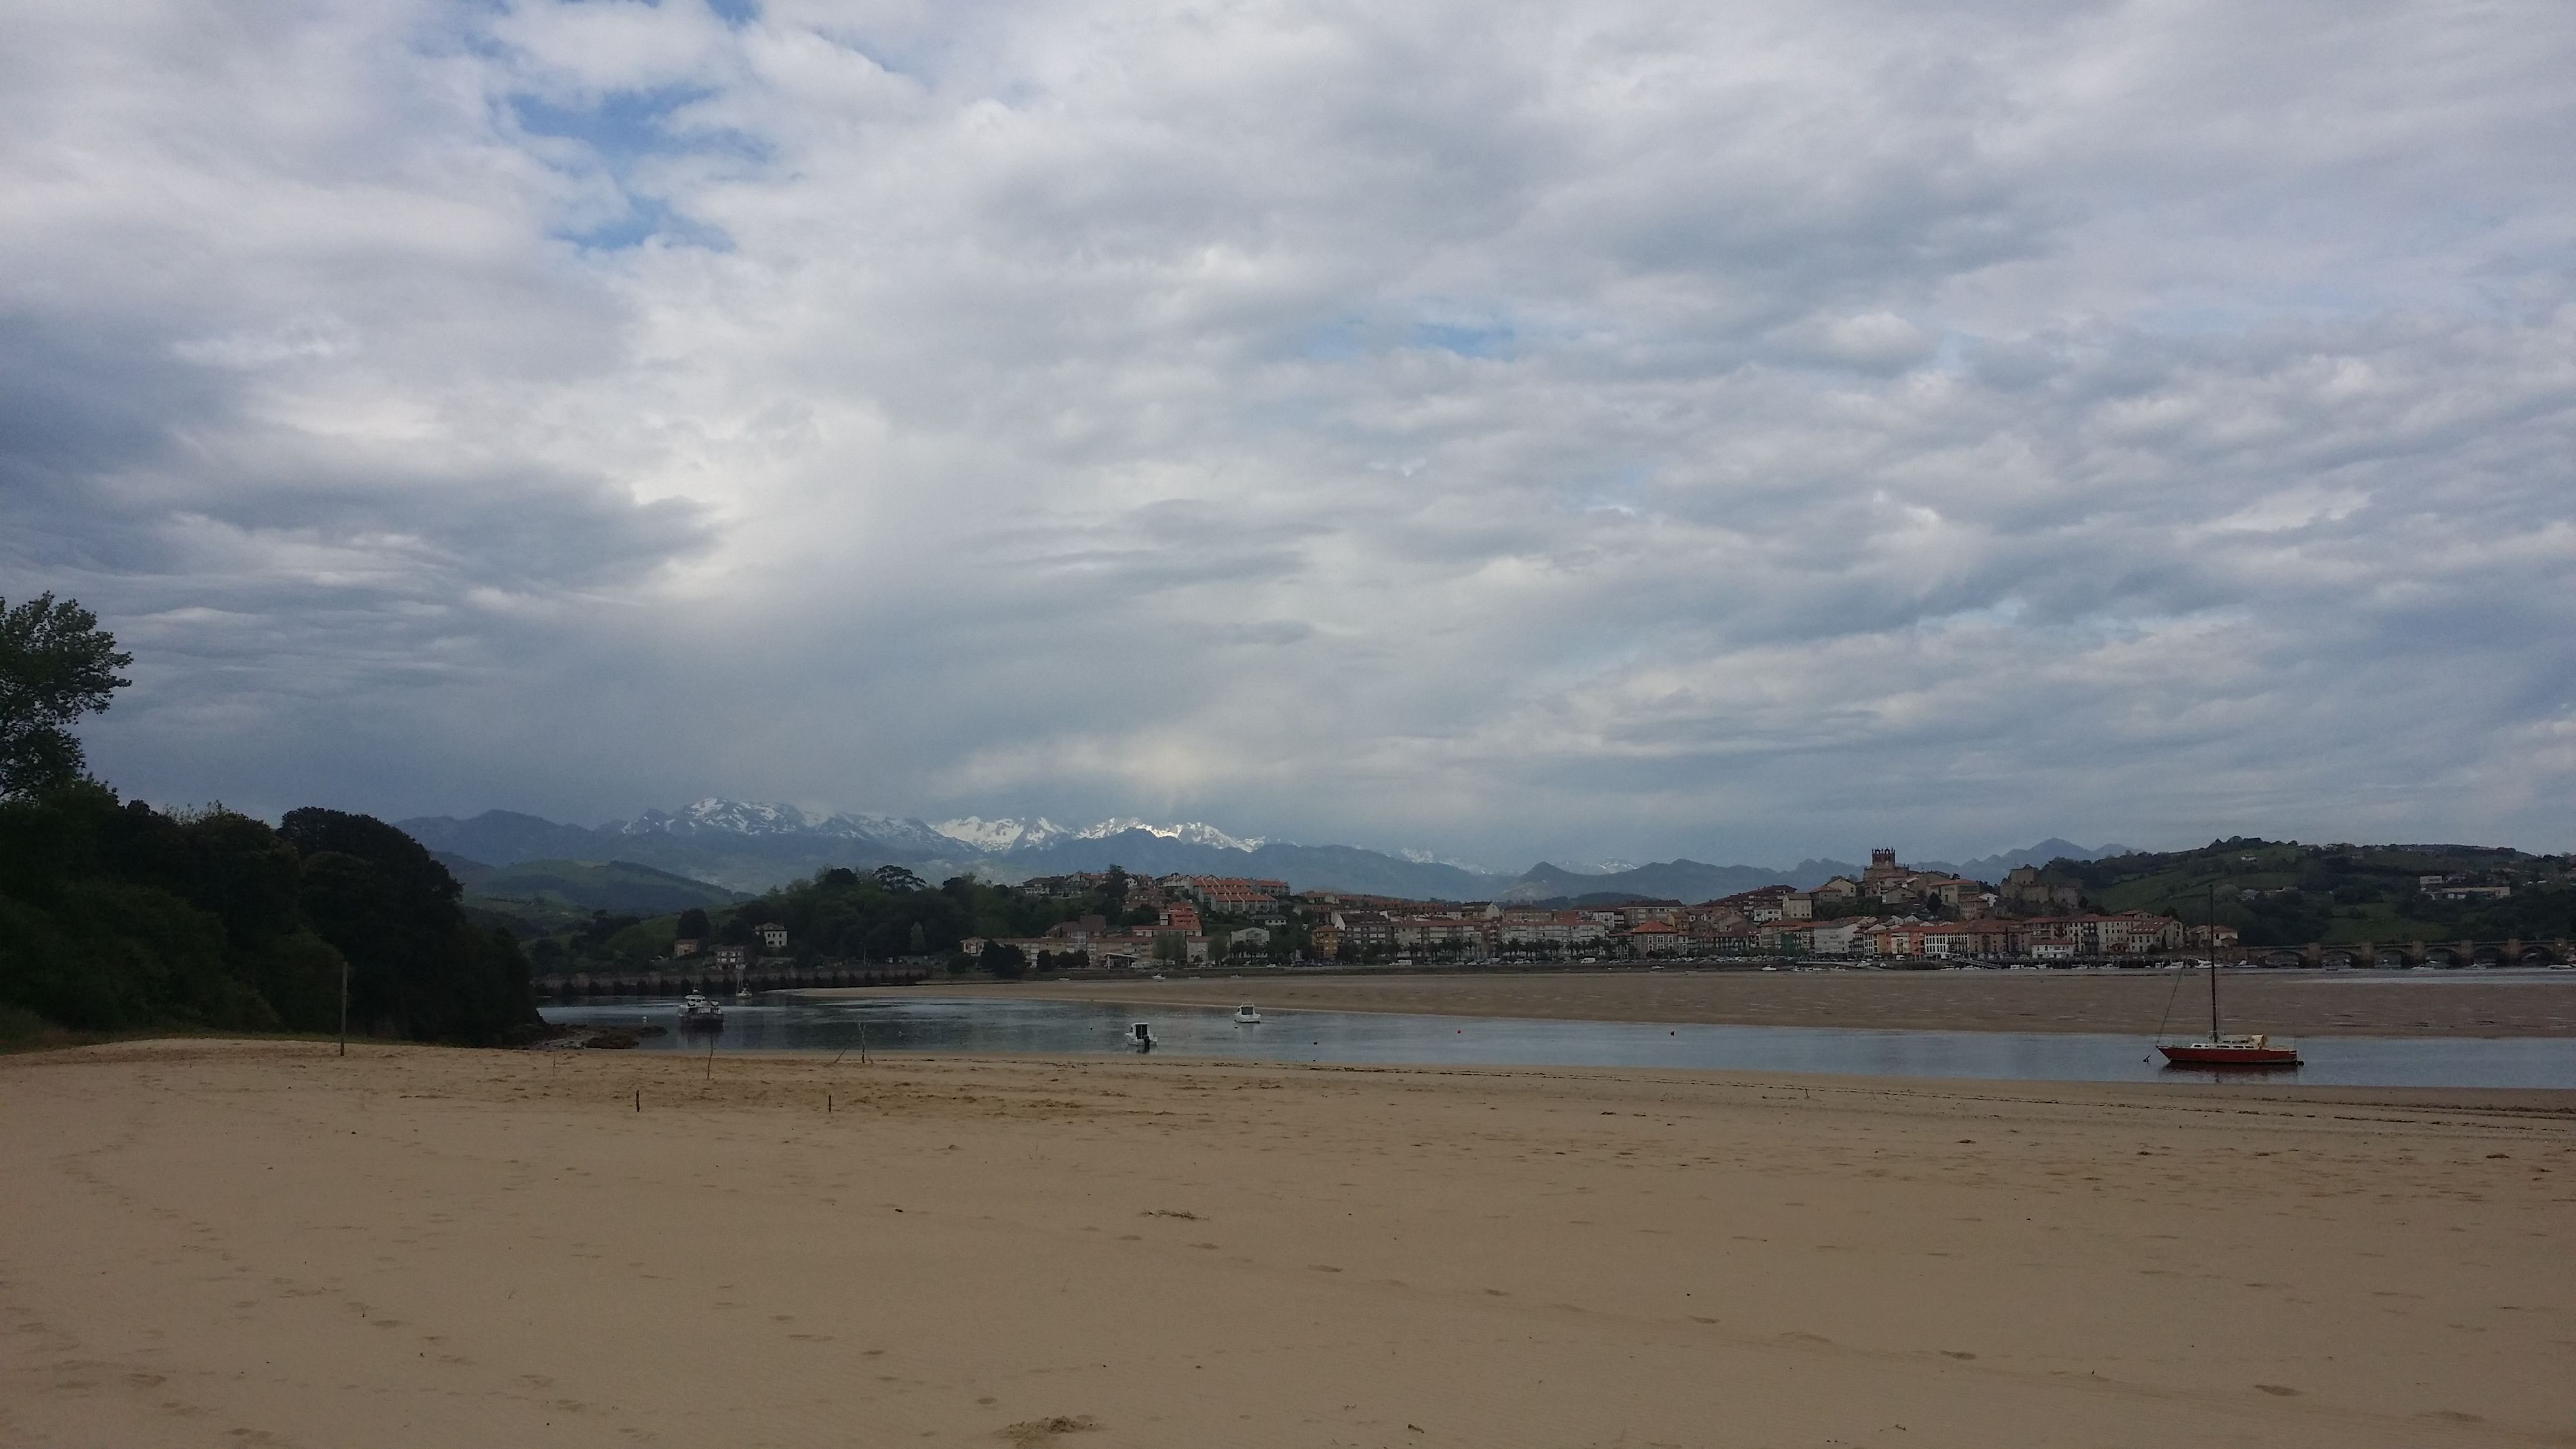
(115, 916)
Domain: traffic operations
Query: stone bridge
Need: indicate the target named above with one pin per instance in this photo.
(2404, 955)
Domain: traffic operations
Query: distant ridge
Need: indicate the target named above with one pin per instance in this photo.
(1688, 881)
(751, 846)
(1994, 867)
(617, 885)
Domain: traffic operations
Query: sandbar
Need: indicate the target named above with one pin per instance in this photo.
(2417, 1003)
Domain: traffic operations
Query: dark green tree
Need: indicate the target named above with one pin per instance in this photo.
(899, 880)
(693, 925)
(418, 968)
(56, 665)
(114, 916)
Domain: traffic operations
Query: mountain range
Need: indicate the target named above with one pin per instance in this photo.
(749, 846)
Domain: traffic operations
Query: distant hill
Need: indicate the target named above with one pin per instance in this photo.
(1995, 867)
(748, 846)
(1677, 880)
(620, 886)
(755, 847)
(2284, 893)
(501, 837)
(1304, 867)
(737, 859)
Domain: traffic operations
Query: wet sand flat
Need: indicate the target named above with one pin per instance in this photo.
(2126, 1002)
(250, 1243)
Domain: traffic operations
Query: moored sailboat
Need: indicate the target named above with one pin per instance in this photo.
(2224, 1049)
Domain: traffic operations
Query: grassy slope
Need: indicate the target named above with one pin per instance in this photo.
(561, 892)
(2357, 893)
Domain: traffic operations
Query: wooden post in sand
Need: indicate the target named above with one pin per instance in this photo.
(344, 1006)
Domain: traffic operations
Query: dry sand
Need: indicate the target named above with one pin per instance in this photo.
(2423, 1003)
(257, 1243)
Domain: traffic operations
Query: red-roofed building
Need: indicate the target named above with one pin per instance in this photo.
(1656, 938)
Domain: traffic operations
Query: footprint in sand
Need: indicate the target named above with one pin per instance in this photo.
(2281, 1391)
(1031, 1432)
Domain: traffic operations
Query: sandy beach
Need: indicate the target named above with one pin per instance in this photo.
(259, 1243)
(2421, 1003)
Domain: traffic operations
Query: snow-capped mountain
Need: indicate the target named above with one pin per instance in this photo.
(993, 837)
(1190, 832)
(1002, 837)
(1427, 857)
(720, 817)
(730, 817)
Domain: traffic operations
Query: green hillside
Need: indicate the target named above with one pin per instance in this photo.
(2278, 893)
(558, 893)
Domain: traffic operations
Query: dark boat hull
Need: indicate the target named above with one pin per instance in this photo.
(2206, 1054)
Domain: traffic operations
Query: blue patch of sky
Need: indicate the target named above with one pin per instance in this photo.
(1339, 340)
(646, 218)
(736, 13)
(1474, 339)
(1621, 490)
(1345, 338)
(623, 129)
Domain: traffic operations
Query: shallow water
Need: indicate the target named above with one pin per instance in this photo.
(1051, 1028)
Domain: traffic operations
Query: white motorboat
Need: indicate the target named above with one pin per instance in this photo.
(1244, 1015)
(1140, 1037)
(699, 1010)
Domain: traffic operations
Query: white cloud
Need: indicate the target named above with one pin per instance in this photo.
(1746, 430)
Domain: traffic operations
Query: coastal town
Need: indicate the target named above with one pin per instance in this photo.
(1890, 913)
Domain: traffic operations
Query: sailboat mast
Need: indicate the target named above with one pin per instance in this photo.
(2212, 943)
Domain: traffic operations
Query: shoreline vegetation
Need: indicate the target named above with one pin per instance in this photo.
(415, 1246)
(2119, 1002)
(117, 918)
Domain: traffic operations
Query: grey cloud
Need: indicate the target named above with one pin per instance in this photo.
(1816, 423)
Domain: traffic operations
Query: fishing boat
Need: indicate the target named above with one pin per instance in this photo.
(2224, 1049)
(1244, 1015)
(699, 1012)
(1140, 1037)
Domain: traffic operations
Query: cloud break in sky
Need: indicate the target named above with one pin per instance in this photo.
(1742, 430)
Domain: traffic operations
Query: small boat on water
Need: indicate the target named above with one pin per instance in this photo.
(1244, 1015)
(2223, 1049)
(699, 1012)
(2255, 1050)
(1141, 1037)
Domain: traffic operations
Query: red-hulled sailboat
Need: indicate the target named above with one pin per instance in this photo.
(2222, 1049)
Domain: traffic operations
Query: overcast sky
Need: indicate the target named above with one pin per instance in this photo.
(1737, 430)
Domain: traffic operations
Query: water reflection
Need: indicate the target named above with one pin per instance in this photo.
(1053, 1028)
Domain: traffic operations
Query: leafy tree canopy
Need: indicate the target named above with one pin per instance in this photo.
(114, 916)
(56, 665)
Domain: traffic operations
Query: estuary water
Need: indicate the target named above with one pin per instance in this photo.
(1056, 1028)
